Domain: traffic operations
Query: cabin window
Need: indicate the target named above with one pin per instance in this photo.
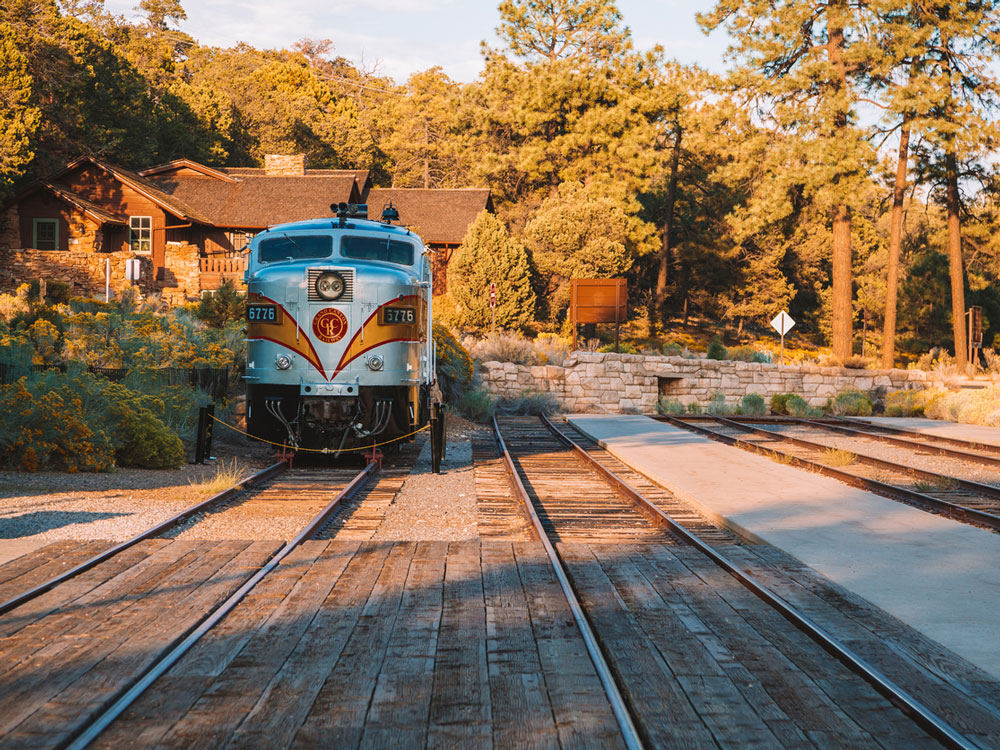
(238, 240)
(377, 248)
(46, 234)
(295, 247)
(141, 234)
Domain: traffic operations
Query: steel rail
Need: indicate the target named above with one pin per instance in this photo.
(894, 492)
(126, 696)
(875, 429)
(908, 704)
(151, 532)
(916, 445)
(618, 706)
(983, 489)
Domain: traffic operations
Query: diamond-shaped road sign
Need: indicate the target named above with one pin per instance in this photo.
(782, 323)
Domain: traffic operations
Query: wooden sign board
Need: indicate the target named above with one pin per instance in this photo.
(598, 301)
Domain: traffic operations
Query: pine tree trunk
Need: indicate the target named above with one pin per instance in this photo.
(842, 308)
(895, 243)
(955, 256)
(668, 223)
(842, 291)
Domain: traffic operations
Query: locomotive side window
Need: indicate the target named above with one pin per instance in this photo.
(285, 246)
(377, 248)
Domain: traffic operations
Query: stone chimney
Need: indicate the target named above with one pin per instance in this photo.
(284, 165)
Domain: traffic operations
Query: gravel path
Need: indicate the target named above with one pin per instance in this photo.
(44, 507)
(435, 507)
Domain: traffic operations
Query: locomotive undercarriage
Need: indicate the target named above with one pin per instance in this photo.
(331, 423)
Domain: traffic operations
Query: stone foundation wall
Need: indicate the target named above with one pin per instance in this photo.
(181, 280)
(629, 383)
(83, 270)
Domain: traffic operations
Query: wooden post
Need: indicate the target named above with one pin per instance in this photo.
(572, 310)
(618, 302)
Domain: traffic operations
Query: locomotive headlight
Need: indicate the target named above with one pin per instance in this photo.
(375, 363)
(329, 285)
(282, 362)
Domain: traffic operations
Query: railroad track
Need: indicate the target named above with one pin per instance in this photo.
(78, 649)
(972, 502)
(616, 551)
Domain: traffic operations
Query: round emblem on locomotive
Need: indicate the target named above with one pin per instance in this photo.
(330, 325)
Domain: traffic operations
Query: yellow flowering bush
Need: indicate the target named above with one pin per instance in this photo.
(80, 422)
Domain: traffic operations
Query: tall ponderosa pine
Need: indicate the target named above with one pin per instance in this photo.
(489, 255)
(963, 41)
(802, 59)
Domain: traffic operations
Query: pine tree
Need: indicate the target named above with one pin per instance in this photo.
(489, 255)
(584, 232)
(19, 116)
(804, 59)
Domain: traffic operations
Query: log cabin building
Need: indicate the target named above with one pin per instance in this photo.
(188, 223)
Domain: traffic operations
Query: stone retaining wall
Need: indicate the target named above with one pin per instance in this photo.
(84, 271)
(624, 383)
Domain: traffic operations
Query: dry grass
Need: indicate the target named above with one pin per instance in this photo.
(967, 406)
(838, 457)
(227, 473)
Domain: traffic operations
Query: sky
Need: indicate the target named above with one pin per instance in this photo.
(401, 37)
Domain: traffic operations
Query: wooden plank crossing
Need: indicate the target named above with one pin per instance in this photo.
(374, 644)
(706, 664)
(69, 650)
(499, 514)
(35, 568)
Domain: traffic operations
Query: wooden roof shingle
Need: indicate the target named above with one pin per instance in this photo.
(438, 215)
(257, 201)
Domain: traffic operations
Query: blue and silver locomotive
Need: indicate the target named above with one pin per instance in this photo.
(339, 345)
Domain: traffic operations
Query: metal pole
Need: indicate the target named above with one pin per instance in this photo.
(781, 358)
(107, 280)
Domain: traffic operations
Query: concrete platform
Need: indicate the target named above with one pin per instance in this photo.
(973, 432)
(937, 575)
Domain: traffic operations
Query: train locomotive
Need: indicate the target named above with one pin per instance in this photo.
(339, 347)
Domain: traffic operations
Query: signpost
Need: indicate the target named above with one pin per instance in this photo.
(782, 323)
(598, 301)
(493, 307)
(975, 316)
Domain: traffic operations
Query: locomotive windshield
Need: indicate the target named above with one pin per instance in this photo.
(377, 248)
(300, 246)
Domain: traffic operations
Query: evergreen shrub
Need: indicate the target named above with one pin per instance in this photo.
(477, 405)
(779, 402)
(489, 255)
(752, 405)
(851, 403)
(227, 305)
(717, 405)
(672, 349)
(666, 405)
(715, 349)
(799, 407)
(454, 365)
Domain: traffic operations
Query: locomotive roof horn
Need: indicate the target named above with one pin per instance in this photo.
(389, 213)
(349, 210)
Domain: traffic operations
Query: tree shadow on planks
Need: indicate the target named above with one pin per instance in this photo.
(41, 521)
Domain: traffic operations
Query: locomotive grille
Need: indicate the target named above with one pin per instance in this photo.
(346, 273)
